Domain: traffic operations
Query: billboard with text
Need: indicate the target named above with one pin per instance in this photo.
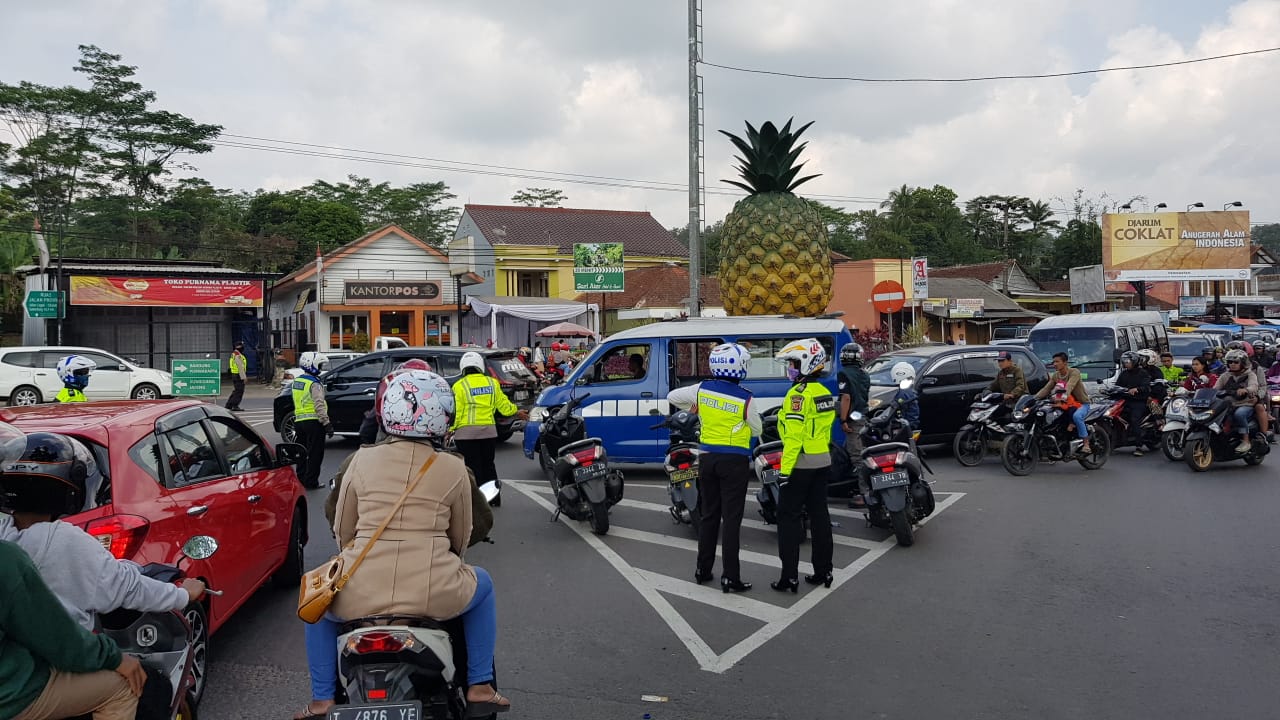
(1176, 246)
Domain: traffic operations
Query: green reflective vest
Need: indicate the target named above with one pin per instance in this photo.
(805, 422)
(70, 395)
(237, 364)
(722, 411)
(476, 398)
(304, 406)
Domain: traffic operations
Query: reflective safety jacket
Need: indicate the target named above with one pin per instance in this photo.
(68, 394)
(477, 397)
(304, 404)
(722, 408)
(804, 423)
(238, 364)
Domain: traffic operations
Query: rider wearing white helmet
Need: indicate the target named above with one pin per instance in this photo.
(805, 424)
(905, 398)
(311, 415)
(74, 372)
(478, 398)
(729, 419)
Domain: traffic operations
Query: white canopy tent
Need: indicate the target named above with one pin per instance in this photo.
(536, 311)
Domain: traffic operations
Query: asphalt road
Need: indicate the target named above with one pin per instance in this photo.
(1140, 590)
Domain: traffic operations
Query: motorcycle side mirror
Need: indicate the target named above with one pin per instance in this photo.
(905, 384)
(490, 491)
(200, 547)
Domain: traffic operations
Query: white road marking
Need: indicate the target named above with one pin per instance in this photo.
(651, 585)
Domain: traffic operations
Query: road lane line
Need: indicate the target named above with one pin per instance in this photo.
(679, 543)
(762, 611)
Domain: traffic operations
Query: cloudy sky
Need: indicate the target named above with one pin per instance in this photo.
(599, 88)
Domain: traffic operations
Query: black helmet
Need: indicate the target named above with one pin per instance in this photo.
(49, 478)
(1131, 358)
(850, 353)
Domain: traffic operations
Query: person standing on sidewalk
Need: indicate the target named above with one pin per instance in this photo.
(239, 371)
(477, 398)
(728, 422)
(805, 423)
(311, 416)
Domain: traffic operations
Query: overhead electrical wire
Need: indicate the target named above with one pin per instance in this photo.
(987, 78)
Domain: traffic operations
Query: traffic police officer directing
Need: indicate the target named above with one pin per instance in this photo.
(311, 416)
(74, 371)
(804, 424)
(728, 422)
(239, 366)
(477, 397)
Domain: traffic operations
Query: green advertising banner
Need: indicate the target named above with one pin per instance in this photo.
(597, 267)
(197, 377)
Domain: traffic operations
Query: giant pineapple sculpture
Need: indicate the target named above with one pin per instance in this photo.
(774, 257)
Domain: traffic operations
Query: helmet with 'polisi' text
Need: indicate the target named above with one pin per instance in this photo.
(729, 360)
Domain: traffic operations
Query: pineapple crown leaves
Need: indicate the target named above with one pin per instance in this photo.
(768, 159)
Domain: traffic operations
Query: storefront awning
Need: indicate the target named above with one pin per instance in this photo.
(536, 309)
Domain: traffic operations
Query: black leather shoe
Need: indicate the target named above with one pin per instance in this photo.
(701, 577)
(824, 580)
(785, 585)
(734, 586)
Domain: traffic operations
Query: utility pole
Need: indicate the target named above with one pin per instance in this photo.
(695, 190)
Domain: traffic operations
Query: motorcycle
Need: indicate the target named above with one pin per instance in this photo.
(164, 641)
(1043, 431)
(984, 427)
(1174, 431)
(1116, 418)
(899, 497)
(681, 464)
(766, 460)
(577, 467)
(1211, 435)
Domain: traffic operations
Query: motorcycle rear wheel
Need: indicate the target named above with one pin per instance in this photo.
(1198, 454)
(599, 518)
(902, 527)
(1171, 445)
(1100, 444)
(970, 446)
(1017, 457)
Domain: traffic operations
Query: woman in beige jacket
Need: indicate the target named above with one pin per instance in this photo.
(416, 566)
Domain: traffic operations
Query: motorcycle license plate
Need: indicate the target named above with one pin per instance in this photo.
(520, 395)
(411, 710)
(770, 476)
(682, 476)
(880, 481)
(590, 472)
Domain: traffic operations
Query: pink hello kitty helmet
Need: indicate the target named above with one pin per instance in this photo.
(415, 404)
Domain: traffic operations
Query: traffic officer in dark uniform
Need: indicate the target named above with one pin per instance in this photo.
(311, 422)
(729, 419)
(239, 366)
(804, 424)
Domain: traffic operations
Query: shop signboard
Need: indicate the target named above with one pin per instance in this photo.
(392, 292)
(967, 307)
(44, 303)
(165, 292)
(202, 376)
(1188, 305)
(919, 278)
(1211, 245)
(598, 267)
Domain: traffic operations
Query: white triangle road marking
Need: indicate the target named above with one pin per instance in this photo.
(651, 585)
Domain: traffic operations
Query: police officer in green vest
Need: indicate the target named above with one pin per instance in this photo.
(239, 366)
(311, 416)
(477, 399)
(804, 424)
(74, 371)
(729, 420)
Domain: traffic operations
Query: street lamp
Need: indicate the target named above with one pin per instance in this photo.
(1162, 206)
(1126, 206)
(1195, 205)
(1237, 203)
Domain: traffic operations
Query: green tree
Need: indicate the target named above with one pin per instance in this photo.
(422, 209)
(841, 233)
(539, 197)
(50, 164)
(1268, 236)
(302, 221)
(710, 240)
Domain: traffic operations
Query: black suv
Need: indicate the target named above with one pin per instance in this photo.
(948, 379)
(350, 387)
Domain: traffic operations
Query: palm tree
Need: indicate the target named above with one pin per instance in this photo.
(899, 205)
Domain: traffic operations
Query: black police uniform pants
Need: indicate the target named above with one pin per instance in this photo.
(237, 393)
(722, 499)
(311, 435)
(806, 490)
(479, 458)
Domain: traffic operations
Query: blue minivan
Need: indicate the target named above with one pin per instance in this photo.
(630, 373)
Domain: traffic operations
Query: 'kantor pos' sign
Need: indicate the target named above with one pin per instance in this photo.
(598, 267)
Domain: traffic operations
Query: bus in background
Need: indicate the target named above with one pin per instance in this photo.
(1093, 342)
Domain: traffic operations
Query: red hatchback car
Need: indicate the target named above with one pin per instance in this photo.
(173, 469)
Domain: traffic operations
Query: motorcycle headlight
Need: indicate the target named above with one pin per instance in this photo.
(874, 403)
(1275, 398)
(1178, 405)
(537, 414)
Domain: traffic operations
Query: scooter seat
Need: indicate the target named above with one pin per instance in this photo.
(580, 445)
(415, 621)
(883, 448)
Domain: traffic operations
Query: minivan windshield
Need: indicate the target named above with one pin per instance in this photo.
(881, 368)
(1084, 346)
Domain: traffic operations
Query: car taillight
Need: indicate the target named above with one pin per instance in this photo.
(122, 535)
(380, 642)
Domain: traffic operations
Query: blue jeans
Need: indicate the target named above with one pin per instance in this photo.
(479, 622)
(1242, 416)
(1082, 430)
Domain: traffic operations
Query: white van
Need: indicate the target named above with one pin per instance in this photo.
(1093, 341)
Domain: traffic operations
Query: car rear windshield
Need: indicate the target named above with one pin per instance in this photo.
(881, 369)
(1187, 345)
(1084, 346)
(510, 369)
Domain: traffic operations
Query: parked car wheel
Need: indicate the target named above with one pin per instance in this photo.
(291, 570)
(287, 431)
(146, 391)
(25, 395)
(198, 618)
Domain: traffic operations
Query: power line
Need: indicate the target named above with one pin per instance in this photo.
(988, 78)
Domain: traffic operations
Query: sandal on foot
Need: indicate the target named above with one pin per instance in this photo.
(485, 708)
(307, 714)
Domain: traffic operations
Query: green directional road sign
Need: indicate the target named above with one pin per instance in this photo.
(44, 303)
(197, 377)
